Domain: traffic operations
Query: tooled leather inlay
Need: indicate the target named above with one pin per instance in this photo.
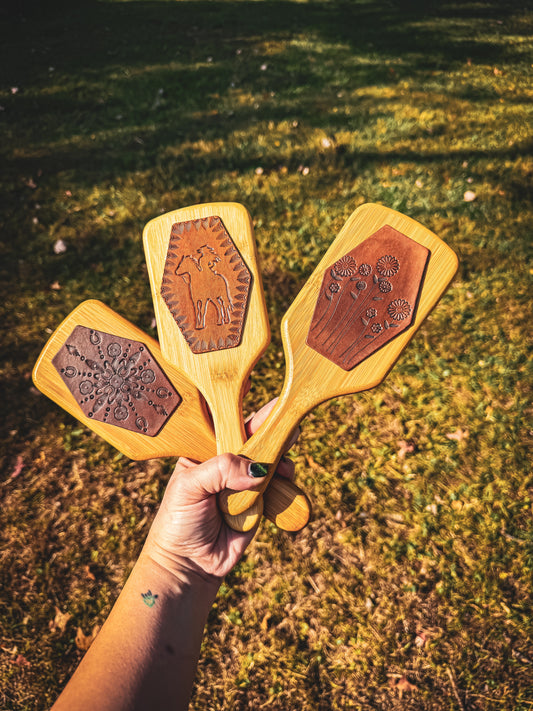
(368, 297)
(116, 380)
(206, 284)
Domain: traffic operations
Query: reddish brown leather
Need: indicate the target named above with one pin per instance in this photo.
(367, 297)
(206, 284)
(116, 380)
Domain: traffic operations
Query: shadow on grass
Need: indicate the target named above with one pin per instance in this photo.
(136, 70)
(108, 89)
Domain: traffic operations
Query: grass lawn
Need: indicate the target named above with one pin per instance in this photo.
(412, 586)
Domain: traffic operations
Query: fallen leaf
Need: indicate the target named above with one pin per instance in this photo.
(31, 183)
(405, 448)
(60, 621)
(21, 661)
(264, 621)
(402, 685)
(459, 435)
(88, 574)
(421, 639)
(19, 466)
(312, 464)
(84, 641)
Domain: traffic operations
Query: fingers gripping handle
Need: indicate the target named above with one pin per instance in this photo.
(267, 445)
(236, 502)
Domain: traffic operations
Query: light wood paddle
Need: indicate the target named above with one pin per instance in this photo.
(112, 377)
(212, 320)
(109, 374)
(347, 327)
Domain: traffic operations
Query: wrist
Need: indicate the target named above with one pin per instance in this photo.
(177, 574)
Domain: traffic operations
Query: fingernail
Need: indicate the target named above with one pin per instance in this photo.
(257, 470)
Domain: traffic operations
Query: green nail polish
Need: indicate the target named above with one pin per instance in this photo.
(258, 470)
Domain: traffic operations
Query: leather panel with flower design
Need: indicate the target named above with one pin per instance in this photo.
(367, 297)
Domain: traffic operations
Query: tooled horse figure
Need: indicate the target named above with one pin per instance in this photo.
(206, 285)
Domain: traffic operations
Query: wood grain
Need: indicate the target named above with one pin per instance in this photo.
(220, 374)
(312, 378)
(187, 433)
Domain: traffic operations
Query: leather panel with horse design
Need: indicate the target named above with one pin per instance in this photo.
(206, 284)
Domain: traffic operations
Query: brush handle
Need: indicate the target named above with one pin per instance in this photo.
(284, 503)
(214, 240)
(267, 446)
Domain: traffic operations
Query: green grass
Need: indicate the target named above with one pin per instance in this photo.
(417, 566)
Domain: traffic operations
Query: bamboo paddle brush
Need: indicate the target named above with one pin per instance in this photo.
(111, 376)
(364, 302)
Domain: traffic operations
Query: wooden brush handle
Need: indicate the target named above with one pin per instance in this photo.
(284, 503)
(365, 300)
(267, 446)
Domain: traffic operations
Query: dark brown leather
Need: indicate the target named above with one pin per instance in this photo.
(116, 380)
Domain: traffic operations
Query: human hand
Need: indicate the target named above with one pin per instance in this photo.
(189, 536)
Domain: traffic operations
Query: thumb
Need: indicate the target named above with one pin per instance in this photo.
(226, 471)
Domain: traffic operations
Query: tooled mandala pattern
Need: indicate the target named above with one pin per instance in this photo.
(367, 297)
(116, 380)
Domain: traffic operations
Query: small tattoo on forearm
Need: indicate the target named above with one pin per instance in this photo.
(149, 598)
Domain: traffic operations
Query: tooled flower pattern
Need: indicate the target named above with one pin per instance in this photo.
(387, 265)
(399, 309)
(345, 266)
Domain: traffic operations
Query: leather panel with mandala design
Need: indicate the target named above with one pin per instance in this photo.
(116, 380)
(368, 297)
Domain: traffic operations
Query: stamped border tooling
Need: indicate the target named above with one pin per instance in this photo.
(206, 284)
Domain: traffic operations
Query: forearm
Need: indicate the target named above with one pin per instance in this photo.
(145, 656)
